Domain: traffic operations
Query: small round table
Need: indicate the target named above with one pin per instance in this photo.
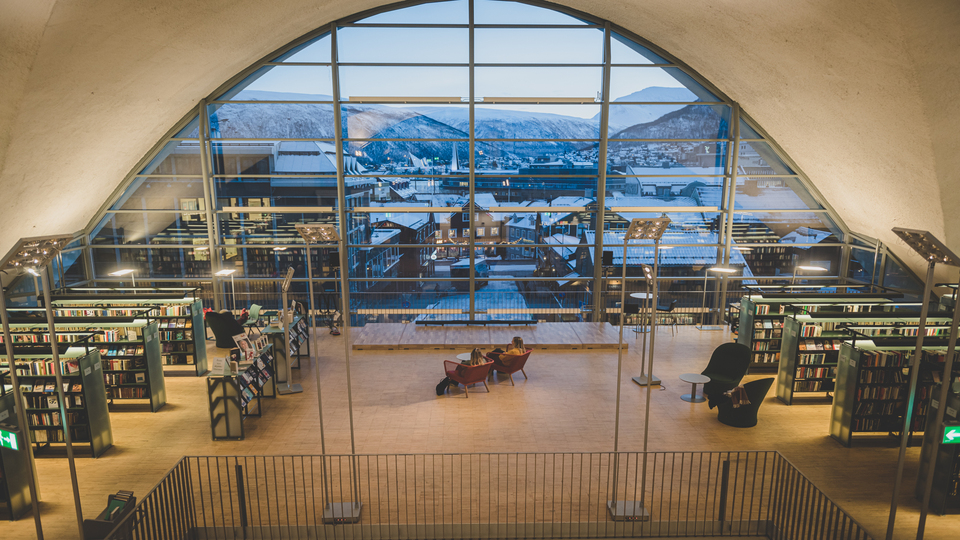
(464, 357)
(641, 296)
(694, 379)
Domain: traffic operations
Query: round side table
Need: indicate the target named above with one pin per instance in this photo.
(694, 379)
(463, 357)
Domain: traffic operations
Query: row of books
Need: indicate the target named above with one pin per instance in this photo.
(113, 379)
(767, 324)
(875, 376)
(77, 434)
(815, 358)
(53, 402)
(128, 392)
(253, 379)
(884, 358)
(819, 345)
(179, 310)
(39, 338)
(903, 332)
(53, 419)
(28, 368)
(101, 335)
(186, 346)
(878, 392)
(175, 323)
(125, 363)
(177, 359)
(767, 334)
(811, 330)
(49, 388)
(816, 373)
(179, 335)
(130, 350)
(813, 386)
(766, 345)
(97, 312)
(883, 423)
(869, 408)
(766, 358)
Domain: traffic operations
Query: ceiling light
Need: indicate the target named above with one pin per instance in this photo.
(34, 252)
(318, 233)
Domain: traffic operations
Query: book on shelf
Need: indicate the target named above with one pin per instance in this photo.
(53, 402)
(77, 388)
(50, 388)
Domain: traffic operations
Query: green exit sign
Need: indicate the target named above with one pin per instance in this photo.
(8, 439)
(951, 435)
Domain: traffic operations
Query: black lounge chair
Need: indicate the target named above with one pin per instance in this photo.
(224, 327)
(744, 416)
(726, 368)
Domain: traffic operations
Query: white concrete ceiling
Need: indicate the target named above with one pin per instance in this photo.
(862, 95)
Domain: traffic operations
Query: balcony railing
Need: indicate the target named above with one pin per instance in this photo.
(526, 495)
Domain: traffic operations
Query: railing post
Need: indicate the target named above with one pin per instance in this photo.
(241, 499)
(724, 481)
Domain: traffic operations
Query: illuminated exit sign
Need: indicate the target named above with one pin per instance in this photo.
(951, 435)
(8, 439)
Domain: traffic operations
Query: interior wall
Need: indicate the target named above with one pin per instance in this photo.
(848, 89)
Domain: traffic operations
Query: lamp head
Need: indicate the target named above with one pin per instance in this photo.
(34, 252)
(123, 272)
(225, 272)
(927, 246)
(647, 272)
(809, 268)
(647, 228)
(722, 269)
(318, 233)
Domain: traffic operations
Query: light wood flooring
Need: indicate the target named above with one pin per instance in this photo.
(566, 405)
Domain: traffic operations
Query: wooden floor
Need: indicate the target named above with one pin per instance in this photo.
(563, 336)
(567, 404)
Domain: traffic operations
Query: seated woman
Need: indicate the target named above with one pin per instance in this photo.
(476, 359)
(515, 348)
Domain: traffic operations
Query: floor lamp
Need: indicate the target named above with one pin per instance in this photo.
(34, 255)
(340, 512)
(233, 289)
(934, 252)
(649, 307)
(640, 229)
(703, 305)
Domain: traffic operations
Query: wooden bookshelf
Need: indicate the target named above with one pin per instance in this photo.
(808, 359)
(89, 419)
(179, 320)
(872, 388)
(232, 398)
(945, 491)
(129, 347)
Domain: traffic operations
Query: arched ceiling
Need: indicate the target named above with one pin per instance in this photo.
(862, 95)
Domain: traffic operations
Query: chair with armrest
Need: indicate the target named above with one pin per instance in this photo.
(224, 327)
(744, 416)
(467, 375)
(509, 363)
(726, 368)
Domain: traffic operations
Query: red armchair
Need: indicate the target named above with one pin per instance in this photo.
(467, 375)
(509, 363)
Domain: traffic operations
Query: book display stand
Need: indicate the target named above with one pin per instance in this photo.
(232, 398)
(86, 405)
(298, 338)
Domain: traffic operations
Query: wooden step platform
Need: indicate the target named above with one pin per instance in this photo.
(408, 336)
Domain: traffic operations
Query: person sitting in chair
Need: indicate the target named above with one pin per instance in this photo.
(515, 348)
(476, 359)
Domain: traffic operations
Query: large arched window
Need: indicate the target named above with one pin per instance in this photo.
(487, 155)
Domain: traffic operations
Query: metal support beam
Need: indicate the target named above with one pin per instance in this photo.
(600, 215)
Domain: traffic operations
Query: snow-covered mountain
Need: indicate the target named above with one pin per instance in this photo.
(689, 122)
(624, 116)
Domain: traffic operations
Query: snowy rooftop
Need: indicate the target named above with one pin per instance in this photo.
(669, 255)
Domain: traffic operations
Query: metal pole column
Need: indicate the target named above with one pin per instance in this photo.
(938, 424)
(313, 322)
(58, 372)
(911, 395)
(471, 174)
(731, 198)
(21, 414)
(203, 138)
(600, 215)
(356, 506)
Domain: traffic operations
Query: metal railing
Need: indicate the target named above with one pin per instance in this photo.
(524, 495)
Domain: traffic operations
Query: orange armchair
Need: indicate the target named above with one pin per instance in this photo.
(509, 363)
(467, 375)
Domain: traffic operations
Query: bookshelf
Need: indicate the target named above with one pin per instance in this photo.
(232, 398)
(129, 347)
(298, 338)
(762, 317)
(872, 387)
(945, 492)
(86, 405)
(180, 323)
(14, 464)
(808, 358)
